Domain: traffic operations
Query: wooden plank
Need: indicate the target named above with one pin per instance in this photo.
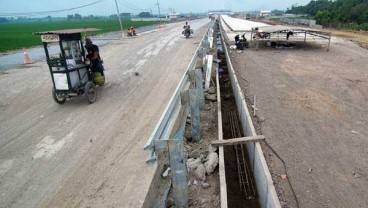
(241, 140)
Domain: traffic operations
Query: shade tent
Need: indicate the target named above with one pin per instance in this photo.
(278, 28)
(279, 33)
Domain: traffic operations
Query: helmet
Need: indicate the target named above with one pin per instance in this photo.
(88, 40)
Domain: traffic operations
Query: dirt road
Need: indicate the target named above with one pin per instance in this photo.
(81, 155)
(314, 105)
(360, 37)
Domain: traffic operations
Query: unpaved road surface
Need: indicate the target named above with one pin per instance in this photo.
(360, 37)
(81, 155)
(315, 109)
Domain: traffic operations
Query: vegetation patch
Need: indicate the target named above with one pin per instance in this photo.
(16, 35)
(351, 14)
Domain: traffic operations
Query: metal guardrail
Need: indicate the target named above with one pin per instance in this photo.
(161, 130)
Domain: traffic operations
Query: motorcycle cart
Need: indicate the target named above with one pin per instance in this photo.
(70, 73)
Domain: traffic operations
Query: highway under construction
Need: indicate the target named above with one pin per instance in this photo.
(194, 122)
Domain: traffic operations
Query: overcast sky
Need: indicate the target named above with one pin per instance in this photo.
(107, 7)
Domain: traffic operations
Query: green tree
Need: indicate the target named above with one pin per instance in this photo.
(77, 16)
(335, 13)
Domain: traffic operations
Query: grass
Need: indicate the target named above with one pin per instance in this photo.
(20, 34)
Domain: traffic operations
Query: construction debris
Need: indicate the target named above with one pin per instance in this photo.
(211, 149)
(200, 172)
(192, 163)
(206, 185)
(166, 173)
(212, 162)
(194, 154)
(212, 98)
(211, 90)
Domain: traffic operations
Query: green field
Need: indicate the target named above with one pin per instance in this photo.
(19, 35)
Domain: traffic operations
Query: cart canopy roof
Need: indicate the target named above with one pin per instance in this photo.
(69, 31)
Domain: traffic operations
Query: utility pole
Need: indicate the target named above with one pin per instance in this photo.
(121, 26)
(159, 13)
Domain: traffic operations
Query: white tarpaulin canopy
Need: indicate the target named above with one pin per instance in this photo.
(236, 24)
(279, 28)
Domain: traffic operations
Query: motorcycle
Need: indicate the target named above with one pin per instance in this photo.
(187, 32)
(262, 35)
(131, 32)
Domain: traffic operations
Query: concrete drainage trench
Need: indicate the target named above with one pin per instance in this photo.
(248, 179)
(241, 188)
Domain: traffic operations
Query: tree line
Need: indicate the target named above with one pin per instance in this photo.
(336, 13)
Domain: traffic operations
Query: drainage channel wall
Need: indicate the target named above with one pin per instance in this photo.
(266, 190)
(223, 186)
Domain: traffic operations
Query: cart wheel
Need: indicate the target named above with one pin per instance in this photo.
(90, 91)
(58, 98)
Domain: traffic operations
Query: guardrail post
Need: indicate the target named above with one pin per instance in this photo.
(205, 46)
(192, 78)
(162, 151)
(210, 37)
(195, 77)
(200, 53)
(195, 115)
(184, 97)
(199, 87)
(179, 173)
(208, 68)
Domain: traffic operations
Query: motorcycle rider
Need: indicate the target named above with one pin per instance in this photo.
(93, 54)
(187, 31)
(186, 26)
(132, 30)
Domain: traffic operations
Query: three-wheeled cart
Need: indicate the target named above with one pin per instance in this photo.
(69, 69)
